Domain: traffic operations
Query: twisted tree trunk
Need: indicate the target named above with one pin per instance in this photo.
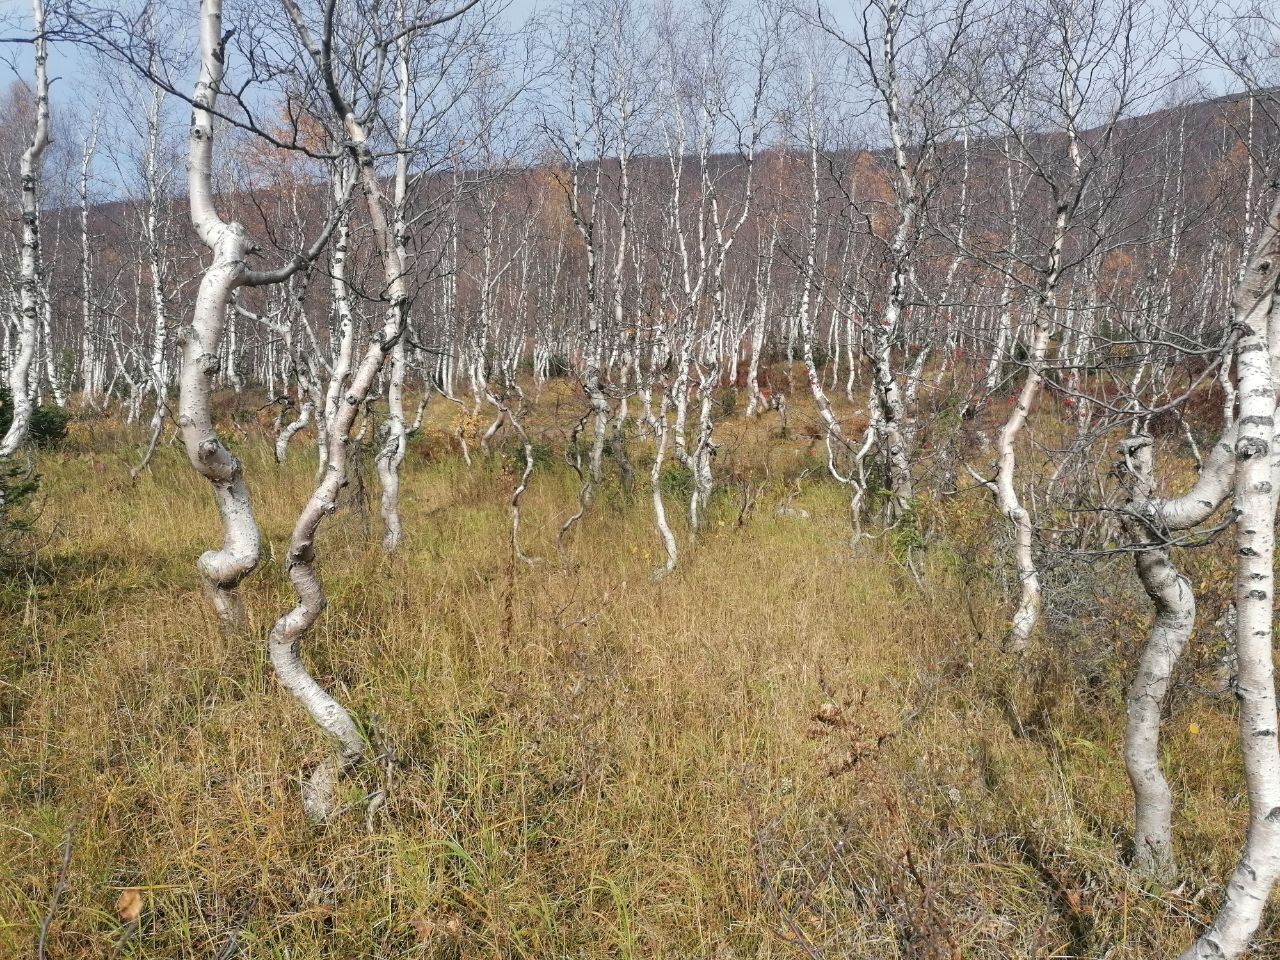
(231, 245)
(222, 569)
(1257, 456)
(1150, 522)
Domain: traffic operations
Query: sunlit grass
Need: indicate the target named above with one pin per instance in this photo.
(583, 763)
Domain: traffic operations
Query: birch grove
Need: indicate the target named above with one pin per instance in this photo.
(1005, 258)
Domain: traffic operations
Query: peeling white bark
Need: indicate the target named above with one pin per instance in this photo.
(30, 169)
(1175, 613)
(286, 636)
(662, 431)
(231, 245)
(224, 568)
(1256, 479)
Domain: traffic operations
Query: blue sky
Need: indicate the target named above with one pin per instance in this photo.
(79, 86)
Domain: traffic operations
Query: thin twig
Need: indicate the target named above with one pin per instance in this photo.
(59, 890)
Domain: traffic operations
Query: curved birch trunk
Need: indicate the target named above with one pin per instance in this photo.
(1256, 476)
(286, 636)
(284, 641)
(1003, 486)
(1027, 615)
(661, 430)
(1150, 522)
(222, 569)
(287, 433)
(834, 437)
(1175, 615)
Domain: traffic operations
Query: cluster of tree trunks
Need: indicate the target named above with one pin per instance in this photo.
(934, 211)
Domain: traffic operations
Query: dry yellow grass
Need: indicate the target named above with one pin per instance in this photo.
(780, 751)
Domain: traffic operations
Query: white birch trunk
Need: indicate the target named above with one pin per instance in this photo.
(1256, 483)
(223, 568)
(30, 169)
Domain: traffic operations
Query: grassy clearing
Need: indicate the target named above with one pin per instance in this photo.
(780, 751)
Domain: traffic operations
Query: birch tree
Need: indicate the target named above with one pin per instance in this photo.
(1256, 451)
(155, 244)
(230, 246)
(1085, 47)
(1243, 41)
(286, 635)
(1152, 523)
(32, 164)
(904, 57)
